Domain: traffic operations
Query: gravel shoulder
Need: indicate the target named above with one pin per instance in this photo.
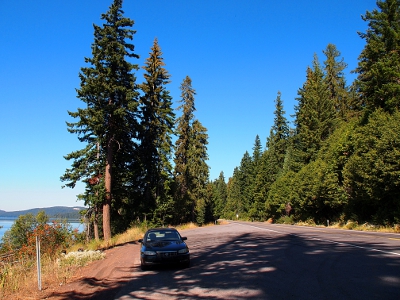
(100, 279)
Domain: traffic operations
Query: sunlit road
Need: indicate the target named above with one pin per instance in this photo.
(263, 261)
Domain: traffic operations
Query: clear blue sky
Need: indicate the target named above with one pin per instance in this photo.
(238, 53)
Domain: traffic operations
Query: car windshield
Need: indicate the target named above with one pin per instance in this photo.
(162, 235)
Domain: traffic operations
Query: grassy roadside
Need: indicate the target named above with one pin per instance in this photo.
(18, 278)
(346, 225)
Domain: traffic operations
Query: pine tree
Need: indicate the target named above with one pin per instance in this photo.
(336, 81)
(234, 206)
(110, 118)
(182, 174)
(379, 63)
(278, 138)
(372, 169)
(244, 180)
(272, 160)
(155, 135)
(191, 170)
(257, 153)
(198, 170)
(219, 196)
(315, 114)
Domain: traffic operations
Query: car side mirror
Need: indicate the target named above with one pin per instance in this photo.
(184, 238)
(140, 240)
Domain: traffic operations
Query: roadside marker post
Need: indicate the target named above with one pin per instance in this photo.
(39, 273)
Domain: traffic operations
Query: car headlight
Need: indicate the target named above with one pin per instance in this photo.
(183, 251)
(149, 253)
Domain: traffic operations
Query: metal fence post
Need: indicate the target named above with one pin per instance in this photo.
(39, 273)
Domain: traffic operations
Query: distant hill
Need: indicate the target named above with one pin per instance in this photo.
(55, 212)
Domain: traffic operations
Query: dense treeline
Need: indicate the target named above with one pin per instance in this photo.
(128, 130)
(341, 160)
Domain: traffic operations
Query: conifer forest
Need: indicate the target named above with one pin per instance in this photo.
(142, 161)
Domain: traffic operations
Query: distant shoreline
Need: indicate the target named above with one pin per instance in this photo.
(54, 213)
(73, 220)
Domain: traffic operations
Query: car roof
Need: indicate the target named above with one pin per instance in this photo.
(162, 229)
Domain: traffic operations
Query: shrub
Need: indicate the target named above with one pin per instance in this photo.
(53, 238)
(80, 258)
(286, 220)
(351, 225)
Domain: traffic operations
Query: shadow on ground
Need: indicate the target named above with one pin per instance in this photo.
(260, 265)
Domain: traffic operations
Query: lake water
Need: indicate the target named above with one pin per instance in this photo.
(6, 223)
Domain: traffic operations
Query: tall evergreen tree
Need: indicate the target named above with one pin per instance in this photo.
(372, 169)
(234, 205)
(191, 170)
(182, 146)
(199, 170)
(278, 138)
(315, 114)
(155, 134)
(336, 81)
(257, 153)
(109, 120)
(245, 182)
(272, 160)
(219, 195)
(379, 63)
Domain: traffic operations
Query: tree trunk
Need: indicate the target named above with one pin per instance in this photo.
(107, 200)
(96, 226)
(96, 209)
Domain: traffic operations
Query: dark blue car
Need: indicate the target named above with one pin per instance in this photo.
(163, 246)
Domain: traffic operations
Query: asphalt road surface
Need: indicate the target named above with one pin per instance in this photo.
(267, 261)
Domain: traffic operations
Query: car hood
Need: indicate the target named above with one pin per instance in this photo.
(165, 245)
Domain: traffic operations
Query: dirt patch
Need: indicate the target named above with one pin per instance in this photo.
(100, 279)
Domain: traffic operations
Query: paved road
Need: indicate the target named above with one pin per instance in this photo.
(267, 261)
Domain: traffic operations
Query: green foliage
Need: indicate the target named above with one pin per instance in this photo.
(336, 82)
(108, 124)
(199, 169)
(219, 196)
(53, 238)
(233, 205)
(286, 220)
(182, 174)
(315, 114)
(337, 164)
(17, 235)
(281, 196)
(21, 237)
(191, 170)
(331, 165)
(157, 125)
(319, 195)
(272, 161)
(379, 63)
(372, 173)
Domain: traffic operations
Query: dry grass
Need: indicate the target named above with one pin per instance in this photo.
(222, 222)
(353, 225)
(190, 225)
(18, 280)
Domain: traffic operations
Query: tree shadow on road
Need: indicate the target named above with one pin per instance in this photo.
(259, 265)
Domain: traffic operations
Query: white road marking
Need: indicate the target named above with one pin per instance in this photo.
(322, 240)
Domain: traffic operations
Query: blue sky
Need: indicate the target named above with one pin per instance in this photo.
(238, 53)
